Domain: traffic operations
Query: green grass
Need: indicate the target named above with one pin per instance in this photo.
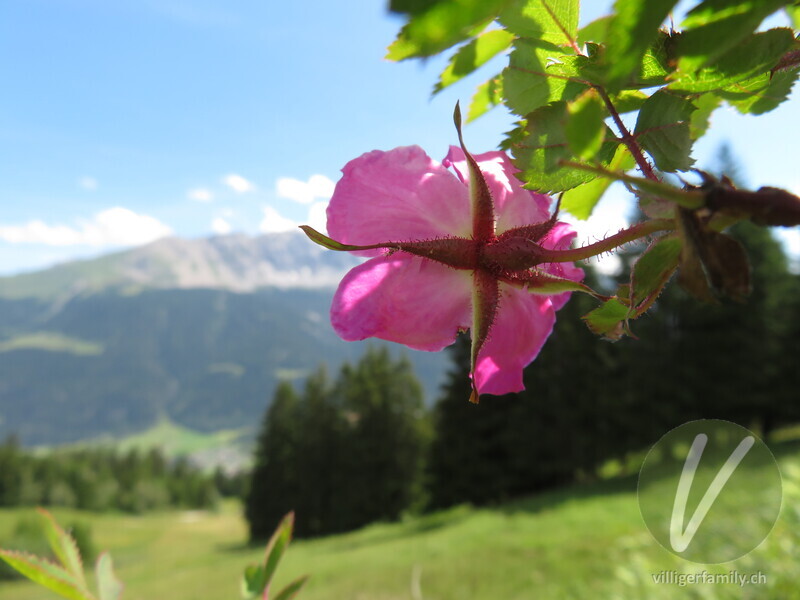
(581, 542)
(51, 341)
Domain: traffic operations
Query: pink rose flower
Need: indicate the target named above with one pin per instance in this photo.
(461, 255)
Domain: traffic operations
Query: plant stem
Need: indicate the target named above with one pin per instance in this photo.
(627, 138)
(614, 241)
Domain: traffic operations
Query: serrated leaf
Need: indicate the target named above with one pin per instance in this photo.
(655, 64)
(63, 546)
(713, 27)
(607, 319)
(663, 131)
(585, 127)
(760, 94)
(631, 32)
(472, 55)
(291, 590)
(628, 101)
(552, 21)
(541, 147)
(108, 585)
(488, 95)
(706, 104)
(654, 267)
(581, 200)
(46, 574)
(441, 26)
(755, 55)
(535, 77)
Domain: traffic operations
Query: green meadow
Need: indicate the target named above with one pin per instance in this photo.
(584, 541)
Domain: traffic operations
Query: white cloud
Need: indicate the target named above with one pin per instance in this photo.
(608, 218)
(238, 184)
(221, 226)
(305, 192)
(200, 195)
(88, 183)
(112, 227)
(317, 217)
(273, 222)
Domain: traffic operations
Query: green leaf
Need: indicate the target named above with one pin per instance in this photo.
(755, 55)
(64, 547)
(254, 582)
(760, 94)
(581, 200)
(654, 267)
(691, 199)
(442, 25)
(632, 30)
(794, 15)
(655, 65)
(715, 26)
(585, 126)
(628, 101)
(536, 76)
(541, 146)
(46, 574)
(472, 55)
(663, 130)
(706, 104)
(596, 31)
(277, 546)
(488, 95)
(291, 590)
(109, 587)
(552, 21)
(607, 319)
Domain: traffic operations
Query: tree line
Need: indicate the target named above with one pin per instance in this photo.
(361, 448)
(100, 479)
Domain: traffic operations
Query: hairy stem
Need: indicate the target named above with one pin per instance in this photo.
(627, 138)
(614, 241)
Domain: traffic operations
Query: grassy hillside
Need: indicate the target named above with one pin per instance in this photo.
(581, 542)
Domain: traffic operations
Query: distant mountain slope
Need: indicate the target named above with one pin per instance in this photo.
(234, 262)
(115, 344)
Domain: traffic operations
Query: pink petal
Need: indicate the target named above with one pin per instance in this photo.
(405, 299)
(398, 196)
(561, 237)
(523, 323)
(514, 205)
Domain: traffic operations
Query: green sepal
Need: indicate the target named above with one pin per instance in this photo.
(485, 298)
(480, 196)
(331, 244)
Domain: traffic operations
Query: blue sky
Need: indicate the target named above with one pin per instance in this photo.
(124, 120)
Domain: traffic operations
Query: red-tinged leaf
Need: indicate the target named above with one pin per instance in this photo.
(64, 547)
(291, 590)
(46, 574)
(608, 319)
